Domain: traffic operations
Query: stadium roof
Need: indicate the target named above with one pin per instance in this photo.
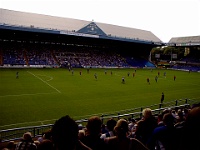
(73, 26)
(185, 41)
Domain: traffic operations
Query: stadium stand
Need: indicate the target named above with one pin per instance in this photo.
(191, 60)
(77, 58)
(38, 41)
(190, 40)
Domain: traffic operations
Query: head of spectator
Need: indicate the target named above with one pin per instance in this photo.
(180, 116)
(173, 111)
(80, 126)
(45, 135)
(27, 137)
(81, 134)
(103, 129)
(111, 124)
(168, 120)
(121, 129)
(165, 111)
(92, 134)
(65, 134)
(146, 113)
(186, 111)
(160, 119)
(27, 142)
(11, 145)
(94, 126)
(131, 124)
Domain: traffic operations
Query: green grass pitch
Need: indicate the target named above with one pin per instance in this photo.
(40, 96)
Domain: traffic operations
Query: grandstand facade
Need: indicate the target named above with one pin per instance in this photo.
(34, 39)
(185, 41)
(191, 60)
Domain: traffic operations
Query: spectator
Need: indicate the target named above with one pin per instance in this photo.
(65, 135)
(45, 145)
(26, 143)
(93, 133)
(160, 117)
(121, 141)
(190, 136)
(145, 126)
(164, 136)
(11, 145)
(110, 126)
(45, 135)
(180, 116)
(103, 129)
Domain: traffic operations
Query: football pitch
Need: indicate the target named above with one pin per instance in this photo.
(41, 96)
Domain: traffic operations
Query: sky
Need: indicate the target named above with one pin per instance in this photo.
(164, 18)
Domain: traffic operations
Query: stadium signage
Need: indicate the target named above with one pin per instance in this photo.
(187, 44)
(170, 44)
(78, 34)
(157, 43)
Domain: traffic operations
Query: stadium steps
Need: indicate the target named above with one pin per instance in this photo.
(54, 57)
(139, 62)
(25, 57)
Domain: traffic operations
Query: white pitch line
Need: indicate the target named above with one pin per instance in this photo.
(50, 78)
(44, 82)
(9, 125)
(27, 94)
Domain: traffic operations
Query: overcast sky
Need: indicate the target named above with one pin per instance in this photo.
(164, 18)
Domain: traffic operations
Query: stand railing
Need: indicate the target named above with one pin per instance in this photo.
(136, 113)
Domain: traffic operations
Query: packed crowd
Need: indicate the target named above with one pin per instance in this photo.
(74, 58)
(176, 129)
(92, 58)
(28, 57)
(190, 62)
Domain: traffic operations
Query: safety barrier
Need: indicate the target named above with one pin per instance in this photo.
(136, 113)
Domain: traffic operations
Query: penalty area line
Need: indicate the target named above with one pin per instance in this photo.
(44, 81)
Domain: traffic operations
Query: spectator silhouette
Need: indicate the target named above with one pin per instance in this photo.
(110, 126)
(65, 135)
(164, 136)
(121, 141)
(190, 138)
(45, 145)
(145, 126)
(45, 135)
(93, 133)
(26, 143)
